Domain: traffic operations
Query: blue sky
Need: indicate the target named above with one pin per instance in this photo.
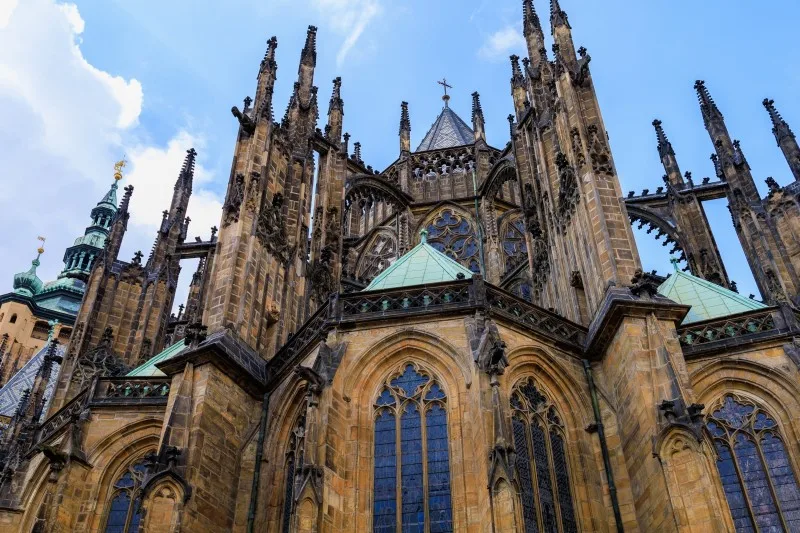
(83, 83)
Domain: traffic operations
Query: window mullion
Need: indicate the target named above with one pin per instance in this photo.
(398, 466)
(735, 459)
(424, 458)
(534, 473)
(553, 477)
(770, 483)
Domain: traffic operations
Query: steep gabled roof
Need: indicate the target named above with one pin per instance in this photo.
(422, 265)
(707, 300)
(448, 131)
(23, 379)
(148, 369)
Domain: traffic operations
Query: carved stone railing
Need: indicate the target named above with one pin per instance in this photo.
(533, 317)
(731, 327)
(131, 390)
(462, 296)
(313, 329)
(423, 299)
(62, 417)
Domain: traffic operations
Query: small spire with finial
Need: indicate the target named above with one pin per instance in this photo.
(423, 235)
(40, 249)
(445, 86)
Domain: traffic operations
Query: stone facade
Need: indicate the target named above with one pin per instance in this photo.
(555, 389)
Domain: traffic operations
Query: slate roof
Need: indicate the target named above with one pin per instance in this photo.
(423, 264)
(708, 300)
(149, 369)
(23, 379)
(447, 131)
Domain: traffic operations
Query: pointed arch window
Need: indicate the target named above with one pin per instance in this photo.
(453, 235)
(754, 467)
(541, 461)
(294, 463)
(412, 460)
(515, 248)
(124, 512)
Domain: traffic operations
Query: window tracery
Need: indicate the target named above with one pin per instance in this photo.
(124, 513)
(414, 488)
(541, 462)
(453, 235)
(515, 248)
(377, 258)
(754, 467)
(294, 463)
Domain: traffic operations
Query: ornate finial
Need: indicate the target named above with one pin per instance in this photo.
(558, 17)
(357, 151)
(476, 103)
(517, 79)
(118, 166)
(530, 19)
(780, 127)
(674, 262)
(405, 121)
(423, 235)
(309, 53)
(707, 104)
(269, 55)
(445, 85)
(40, 249)
(772, 184)
(664, 146)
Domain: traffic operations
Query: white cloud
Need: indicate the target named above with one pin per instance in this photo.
(502, 43)
(348, 18)
(6, 9)
(152, 172)
(63, 123)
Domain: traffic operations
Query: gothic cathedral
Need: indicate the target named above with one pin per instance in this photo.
(462, 342)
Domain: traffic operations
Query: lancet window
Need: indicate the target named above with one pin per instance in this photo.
(124, 512)
(541, 461)
(293, 464)
(412, 463)
(515, 249)
(453, 235)
(754, 467)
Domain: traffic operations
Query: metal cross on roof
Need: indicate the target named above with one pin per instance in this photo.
(446, 86)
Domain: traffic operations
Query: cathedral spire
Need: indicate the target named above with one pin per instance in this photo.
(267, 73)
(518, 87)
(785, 138)
(707, 105)
(558, 17)
(335, 113)
(405, 128)
(309, 54)
(478, 124)
(667, 155)
(532, 30)
(729, 153)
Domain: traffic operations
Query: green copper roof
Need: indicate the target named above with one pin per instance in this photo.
(708, 300)
(422, 265)
(28, 283)
(149, 369)
(110, 199)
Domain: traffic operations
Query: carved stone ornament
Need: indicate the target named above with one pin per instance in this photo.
(234, 201)
(644, 283)
(271, 228)
(99, 361)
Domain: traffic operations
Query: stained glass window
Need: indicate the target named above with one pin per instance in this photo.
(515, 249)
(411, 419)
(454, 236)
(754, 467)
(124, 512)
(294, 462)
(541, 462)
